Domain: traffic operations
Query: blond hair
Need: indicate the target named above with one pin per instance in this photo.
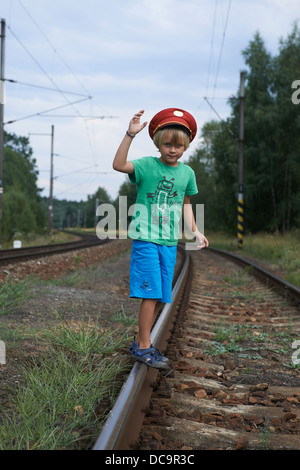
(178, 137)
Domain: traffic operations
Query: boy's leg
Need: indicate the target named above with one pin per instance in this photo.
(143, 350)
(148, 312)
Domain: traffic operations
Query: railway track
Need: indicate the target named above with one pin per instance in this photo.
(21, 254)
(235, 383)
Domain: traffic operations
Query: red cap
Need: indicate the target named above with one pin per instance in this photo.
(171, 117)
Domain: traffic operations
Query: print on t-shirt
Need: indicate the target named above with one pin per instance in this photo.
(162, 200)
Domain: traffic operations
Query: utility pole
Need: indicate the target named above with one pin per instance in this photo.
(50, 204)
(1, 119)
(240, 216)
(50, 215)
(97, 204)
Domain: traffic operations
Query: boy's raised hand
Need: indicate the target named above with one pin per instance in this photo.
(135, 125)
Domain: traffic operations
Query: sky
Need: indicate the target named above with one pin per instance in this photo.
(87, 67)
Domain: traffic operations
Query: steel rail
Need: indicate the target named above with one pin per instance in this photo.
(44, 250)
(264, 275)
(137, 389)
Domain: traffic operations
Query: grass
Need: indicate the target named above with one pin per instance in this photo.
(282, 251)
(123, 317)
(56, 405)
(229, 339)
(61, 377)
(80, 365)
(249, 340)
(86, 338)
(11, 294)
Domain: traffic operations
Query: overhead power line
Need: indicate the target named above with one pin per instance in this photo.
(75, 171)
(46, 111)
(212, 47)
(222, 120)
(44, 87)
(53, 47)
(44, 71)
(55, 87)
(52, 81)
(222, 44)
(82, 116)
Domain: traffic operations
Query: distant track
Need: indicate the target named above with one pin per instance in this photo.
(22, 254)
(262, 274)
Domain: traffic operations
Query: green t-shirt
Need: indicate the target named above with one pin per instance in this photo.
(160, 194)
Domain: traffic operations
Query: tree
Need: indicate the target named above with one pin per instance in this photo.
(22, 204)
(101, 196)
(203, 163)
(18, 217)
(127, 189)
(271, 144)
(287, 139)
(259, 155)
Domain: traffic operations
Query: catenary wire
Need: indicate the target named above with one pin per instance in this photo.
(222, 46)
(53, 47)
(43, 87)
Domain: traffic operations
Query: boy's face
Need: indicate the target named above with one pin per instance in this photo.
(171, 151)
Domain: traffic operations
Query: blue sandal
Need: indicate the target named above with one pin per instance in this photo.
(135, 346)
(163, 358)
(151, 356)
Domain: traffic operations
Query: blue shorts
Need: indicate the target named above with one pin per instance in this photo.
(152, 270)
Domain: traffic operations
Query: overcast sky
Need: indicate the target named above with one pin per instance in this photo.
(118, 57)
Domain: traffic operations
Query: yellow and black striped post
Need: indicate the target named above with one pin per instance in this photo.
(240, 221)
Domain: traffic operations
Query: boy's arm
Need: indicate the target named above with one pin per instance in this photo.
(201, 241)
(120, 162)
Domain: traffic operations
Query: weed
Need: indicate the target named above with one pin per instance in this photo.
(55, 405)
(280, 250)
(265, 435)
(77, 260)
(11, 294)
(85, 338)
(124, 318)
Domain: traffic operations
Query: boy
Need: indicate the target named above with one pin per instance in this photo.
(164, 186)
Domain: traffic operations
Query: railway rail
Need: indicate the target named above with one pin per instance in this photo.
(230, 338)
(21, 254)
